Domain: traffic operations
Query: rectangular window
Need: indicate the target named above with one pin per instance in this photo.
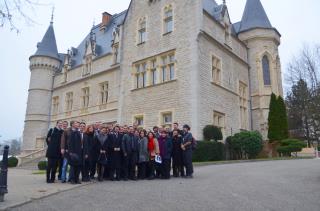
(216, 70)
(69, 101)
(55, 105)
(168, 21)
(139, 120)
(104, 93)
(144, 75)
(166, 119)
(142, 32)
(85, 97)
(243, 106)
(219, 121)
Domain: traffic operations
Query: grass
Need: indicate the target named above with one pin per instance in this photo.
(244, 161)
(39, 172)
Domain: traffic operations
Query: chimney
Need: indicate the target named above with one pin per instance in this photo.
(106, 17)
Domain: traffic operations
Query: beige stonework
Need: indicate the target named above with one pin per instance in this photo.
(191, 96)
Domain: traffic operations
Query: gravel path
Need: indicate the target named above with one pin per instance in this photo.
(272, 185)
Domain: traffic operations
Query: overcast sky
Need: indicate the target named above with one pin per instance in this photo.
(296, 20)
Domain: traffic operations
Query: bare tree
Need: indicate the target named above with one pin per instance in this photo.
(12, 11)
(303, 100)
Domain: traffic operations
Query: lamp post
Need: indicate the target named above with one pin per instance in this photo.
(4, 173)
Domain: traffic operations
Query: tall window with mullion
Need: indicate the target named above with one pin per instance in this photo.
(142, 31)
(168, 19)
(104, 93)
(85, 97)
(69, 101)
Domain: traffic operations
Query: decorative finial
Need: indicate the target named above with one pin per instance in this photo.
(224, 2)
(52, 15)
(94, 22)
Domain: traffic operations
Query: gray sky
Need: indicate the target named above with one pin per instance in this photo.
(296, 20)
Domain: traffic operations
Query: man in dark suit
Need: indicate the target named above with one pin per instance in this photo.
(53, 151)
(114, 149)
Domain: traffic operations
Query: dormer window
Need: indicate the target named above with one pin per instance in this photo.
(87, 66)
(142, 31)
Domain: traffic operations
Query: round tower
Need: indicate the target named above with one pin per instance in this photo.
(262, 41)
(43, 65)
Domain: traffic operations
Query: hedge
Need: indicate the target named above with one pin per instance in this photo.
(42, 165)
(209, 151)
(12, 162)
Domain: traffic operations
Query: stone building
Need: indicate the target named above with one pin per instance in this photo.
(159, 62)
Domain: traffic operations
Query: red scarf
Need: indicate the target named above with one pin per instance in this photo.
(150, 144)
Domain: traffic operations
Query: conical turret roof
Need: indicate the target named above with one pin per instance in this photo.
(48, 45)
(254, 16)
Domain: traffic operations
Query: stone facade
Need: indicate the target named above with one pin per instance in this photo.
(164, 64)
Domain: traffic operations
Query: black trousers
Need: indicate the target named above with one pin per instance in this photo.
(165, 168)
(151, 169)
(115, 165)
(177, 167)
(93, 168)
(85, 170)
(129, 166)
(51, 169)
(187, 161)
(142, 170)
(101, 171)
(75, 170)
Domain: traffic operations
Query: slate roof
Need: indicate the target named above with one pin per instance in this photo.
(48, 45)
(254, 16)
(103, 40)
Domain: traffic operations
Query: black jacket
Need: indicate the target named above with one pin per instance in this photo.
(114, 141)
(130, 144)
(91, 146)
(53, 142)
(75, 145)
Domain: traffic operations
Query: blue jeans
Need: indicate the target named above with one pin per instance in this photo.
(64, 169)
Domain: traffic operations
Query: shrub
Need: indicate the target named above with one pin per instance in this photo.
(288, 146)
(246, 145)
(42, 165)
(209, 151)
(12, 162)
(211, 132)
(318, 148)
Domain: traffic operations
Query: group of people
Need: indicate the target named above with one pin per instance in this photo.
(117, 152)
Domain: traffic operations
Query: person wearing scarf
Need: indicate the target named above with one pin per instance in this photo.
(102, 145)
(153, 150)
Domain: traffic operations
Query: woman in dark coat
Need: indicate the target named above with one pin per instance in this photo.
(165, 146)
(102, 144)
(53, 151)
(89, 167)
(75, 153)
(177, 158)
(143, 155)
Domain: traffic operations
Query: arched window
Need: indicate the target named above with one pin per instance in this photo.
(266, 70)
